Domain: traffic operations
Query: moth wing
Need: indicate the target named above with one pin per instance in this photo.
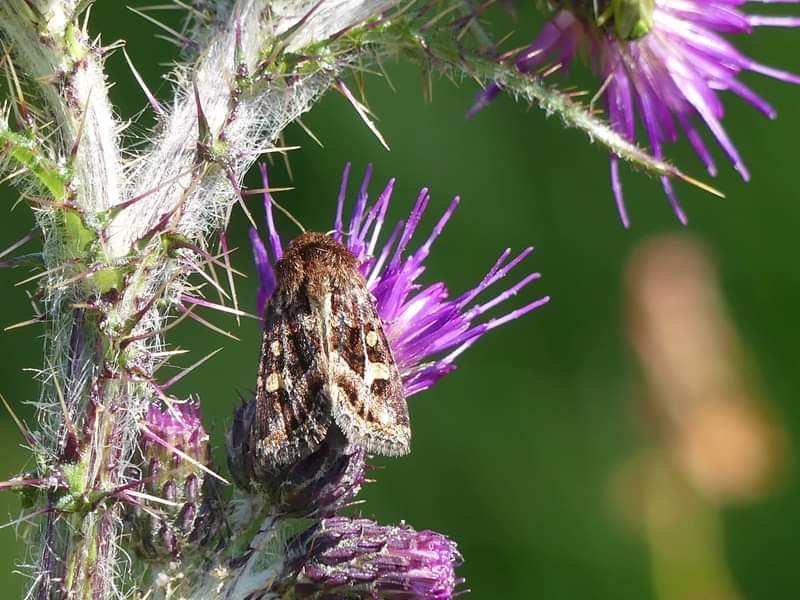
(292, 410)
(364, 385)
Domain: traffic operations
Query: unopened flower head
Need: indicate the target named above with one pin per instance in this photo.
(665, 60)
(357, 558)
(176, 427)
(426, 328)
(175, 499)
(316, 486)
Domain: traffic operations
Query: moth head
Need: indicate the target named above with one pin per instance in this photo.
(314, 256)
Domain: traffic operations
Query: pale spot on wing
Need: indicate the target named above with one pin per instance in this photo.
(334, 392)
(385, 416)
(372, 339)
(275, 348)
(274, 382)
(375, 371)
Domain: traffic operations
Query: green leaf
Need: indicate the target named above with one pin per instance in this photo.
(28, 153)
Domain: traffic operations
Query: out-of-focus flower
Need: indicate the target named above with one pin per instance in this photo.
(665, 60)
(357, 558)
(697, 373)
(426, 328)
(711, 438)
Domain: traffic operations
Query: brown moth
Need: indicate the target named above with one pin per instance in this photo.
(325, 361)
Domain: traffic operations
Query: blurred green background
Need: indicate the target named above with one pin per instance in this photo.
(513, 452)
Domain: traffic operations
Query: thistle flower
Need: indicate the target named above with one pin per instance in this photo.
(426, 328)
(177, 498)
(668, 63)
(357, 558)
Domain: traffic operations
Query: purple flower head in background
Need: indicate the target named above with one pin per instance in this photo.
(426, 328)
(670, 76)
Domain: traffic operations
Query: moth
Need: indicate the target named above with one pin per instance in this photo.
(325, 360)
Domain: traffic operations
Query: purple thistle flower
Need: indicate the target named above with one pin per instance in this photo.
(426, 328)
(669, 77)
(357, 558)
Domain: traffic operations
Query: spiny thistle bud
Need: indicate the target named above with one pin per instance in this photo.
(359, 559)
(318, 485)
(177, 507)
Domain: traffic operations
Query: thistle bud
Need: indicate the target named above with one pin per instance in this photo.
(317, 485)
(177, 508)
(359, 559)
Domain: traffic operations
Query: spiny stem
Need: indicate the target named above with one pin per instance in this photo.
(115, 269)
